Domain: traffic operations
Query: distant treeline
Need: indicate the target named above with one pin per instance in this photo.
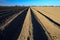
(45, 6)
(11, 7)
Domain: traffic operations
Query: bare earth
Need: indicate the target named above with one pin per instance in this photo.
(38, 23)
(53, 13)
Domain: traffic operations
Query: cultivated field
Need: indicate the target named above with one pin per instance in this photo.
(49, 17)
(51, 12)
(30, 23)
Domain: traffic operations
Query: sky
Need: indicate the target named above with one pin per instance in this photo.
(30, 2)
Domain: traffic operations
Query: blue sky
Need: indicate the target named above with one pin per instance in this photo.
(30, 2)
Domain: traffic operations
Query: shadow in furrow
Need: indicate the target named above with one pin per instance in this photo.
(49, 19)
(28, 38)
(38, 31)
(12, 31)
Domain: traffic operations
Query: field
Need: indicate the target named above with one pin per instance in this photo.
(30, 23)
